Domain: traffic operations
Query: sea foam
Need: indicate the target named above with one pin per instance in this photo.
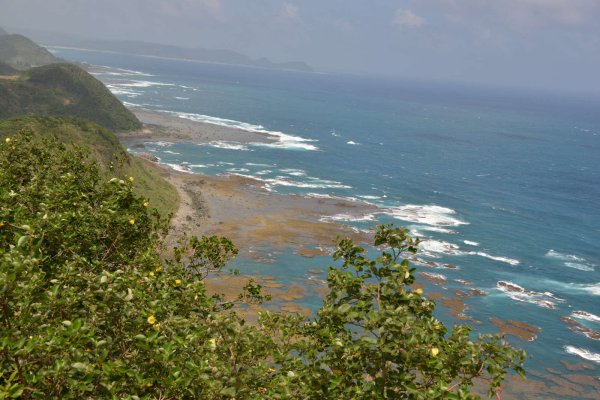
(583, 353)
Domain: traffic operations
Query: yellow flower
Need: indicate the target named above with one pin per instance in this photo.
(406, 275)
(158, 269)
(157, 326)
(177, 282)
(434, 351)
(1, 224)
(419, 291)
(146, 203)
(212, 344)
(132, 221)
(151, 320)
(131, 179)
(270, 370)
(7, 140)
(151, 274)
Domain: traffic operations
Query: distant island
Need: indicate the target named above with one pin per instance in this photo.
(217, 56)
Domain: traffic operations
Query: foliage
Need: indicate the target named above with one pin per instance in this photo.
(64, 89)
(89, 309)
(105, 148)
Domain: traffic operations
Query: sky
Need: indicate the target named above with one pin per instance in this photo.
(552, 44)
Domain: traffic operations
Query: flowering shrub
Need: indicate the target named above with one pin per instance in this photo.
(89, 310)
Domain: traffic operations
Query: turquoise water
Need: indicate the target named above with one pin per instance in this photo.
(503, 184)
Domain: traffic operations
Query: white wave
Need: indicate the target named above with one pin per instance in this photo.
(470, 243)
(117, 90)
(507, 260)
(171, 152)
(438, 246)
(333, 197)
(124, 71)
(238, 170)
(180, 168)
(353, 143)
(283, 181)
(425, 214)
(572, 261)
(260, 165)
(583, 353)
(585, 315)
(579, 266)
(369, 197)
(263, 172)
(334, 133)
(593, 288)
(284, 140)
(143, 84)
(182, 98)
(199, 165)
(293, 172)
(516, 292)
(228, 145)
(434, 275)
(348, 218)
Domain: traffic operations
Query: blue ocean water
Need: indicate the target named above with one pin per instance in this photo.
(504, 184)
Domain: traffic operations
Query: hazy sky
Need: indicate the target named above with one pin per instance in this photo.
(551, 43)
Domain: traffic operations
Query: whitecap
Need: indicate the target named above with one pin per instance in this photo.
(238, 170)
(593, 288)
(180, 168)
(585, 315)
(182, 98)
(171, 152)
(583, 353)
(260, 165)
(228, 145)
(425, 214)
(369, 197)
(572, 261)
(506, 260)
(439, 246)
(284, 140)
(517, 292)
(470, 243)
(353, 143)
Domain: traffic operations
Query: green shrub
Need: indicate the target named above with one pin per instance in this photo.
(89, 309)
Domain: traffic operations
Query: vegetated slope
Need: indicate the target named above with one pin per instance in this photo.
(105, 148)
(64, 89)
(21, 53)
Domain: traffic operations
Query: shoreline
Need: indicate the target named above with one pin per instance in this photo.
(241, 209)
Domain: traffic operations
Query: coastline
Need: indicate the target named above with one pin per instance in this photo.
(241, 209)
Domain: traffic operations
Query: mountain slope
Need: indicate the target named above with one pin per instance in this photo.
(3, 32)
(21, 53)
(64, 89)
(105, 148)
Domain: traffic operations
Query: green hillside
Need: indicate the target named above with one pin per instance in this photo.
(105, 148)
(64, 89)
(22, 54)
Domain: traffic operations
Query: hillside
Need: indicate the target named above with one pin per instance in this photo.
(21, 53)
(3, 32)
(64, 89)
(105, 148)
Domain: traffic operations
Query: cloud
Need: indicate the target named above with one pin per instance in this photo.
(290, 11)
(407, 19)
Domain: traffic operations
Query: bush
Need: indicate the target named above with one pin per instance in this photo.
(89, 309)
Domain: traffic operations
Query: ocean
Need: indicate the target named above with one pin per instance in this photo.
(502, 183)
